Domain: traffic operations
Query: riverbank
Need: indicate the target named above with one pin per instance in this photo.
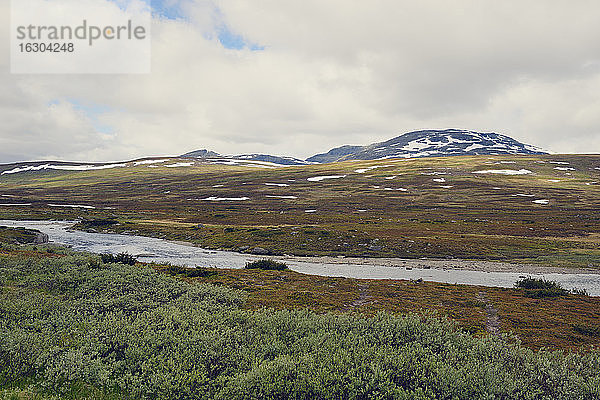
(454, 264)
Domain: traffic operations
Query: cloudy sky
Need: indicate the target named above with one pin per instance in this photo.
(296, 77)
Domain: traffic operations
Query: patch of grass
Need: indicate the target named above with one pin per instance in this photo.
(197, 272)
(588, 330)
(98, 223)
(17, 235)
(267, 265)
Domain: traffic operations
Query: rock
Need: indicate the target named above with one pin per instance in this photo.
(40, 238)
(259, 251)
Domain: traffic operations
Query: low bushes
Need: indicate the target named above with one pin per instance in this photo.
(270, 265)
(189, 272)
(121, 258)
(130, 330)
(539, 288)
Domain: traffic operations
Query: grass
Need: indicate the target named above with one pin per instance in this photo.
(71, 331)
(480, 217)
(537, 322)
(17, 235)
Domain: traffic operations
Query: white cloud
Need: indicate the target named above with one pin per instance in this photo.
(332, 72)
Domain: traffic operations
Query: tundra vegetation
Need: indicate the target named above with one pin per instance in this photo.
(431, 207)
(73, 326)
(267, 265)
(76, 326)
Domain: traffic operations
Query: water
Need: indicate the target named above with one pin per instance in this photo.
(159, 250)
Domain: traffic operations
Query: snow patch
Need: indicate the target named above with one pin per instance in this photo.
(180, 164)
(71, 206)
(504, 172)
(543, 202)
(283, 197)
(145, 162)
(322, 178)
(363, 170)
(226, 198)
(564, 169)
(277, 184)
(475, 146)
(27, 168)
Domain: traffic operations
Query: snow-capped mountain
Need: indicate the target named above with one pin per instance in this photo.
(429, 143)
(432, 143)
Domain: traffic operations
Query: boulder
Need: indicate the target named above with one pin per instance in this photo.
(259, 251)
(40, 238)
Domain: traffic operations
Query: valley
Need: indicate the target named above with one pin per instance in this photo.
(471, 207)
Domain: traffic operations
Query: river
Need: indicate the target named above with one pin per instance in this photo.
(158, 250)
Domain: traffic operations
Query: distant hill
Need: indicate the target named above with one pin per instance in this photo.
(431, 143)
(201, 154)
(335, 154)
(206, 154)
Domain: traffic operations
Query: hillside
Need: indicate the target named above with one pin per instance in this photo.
(536, 208)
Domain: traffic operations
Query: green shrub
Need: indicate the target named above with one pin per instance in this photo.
(95, 223)
(121, 258)
(541, 293)
(267, 264)
(538, 288)
(189, 272)
(131, 330)
(536, 283)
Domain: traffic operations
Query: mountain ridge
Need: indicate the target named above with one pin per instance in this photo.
(415, 144)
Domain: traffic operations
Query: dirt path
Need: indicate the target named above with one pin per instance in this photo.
(363, 298)
(492, 321)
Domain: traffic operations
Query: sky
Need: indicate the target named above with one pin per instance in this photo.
(298, 77)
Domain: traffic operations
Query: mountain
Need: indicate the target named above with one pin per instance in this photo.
(206, 154)
(201, 154)
(335, 154)
(431, 143)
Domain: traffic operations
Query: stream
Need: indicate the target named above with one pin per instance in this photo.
(158, 250)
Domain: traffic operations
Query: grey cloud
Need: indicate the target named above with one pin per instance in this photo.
(333, 72)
